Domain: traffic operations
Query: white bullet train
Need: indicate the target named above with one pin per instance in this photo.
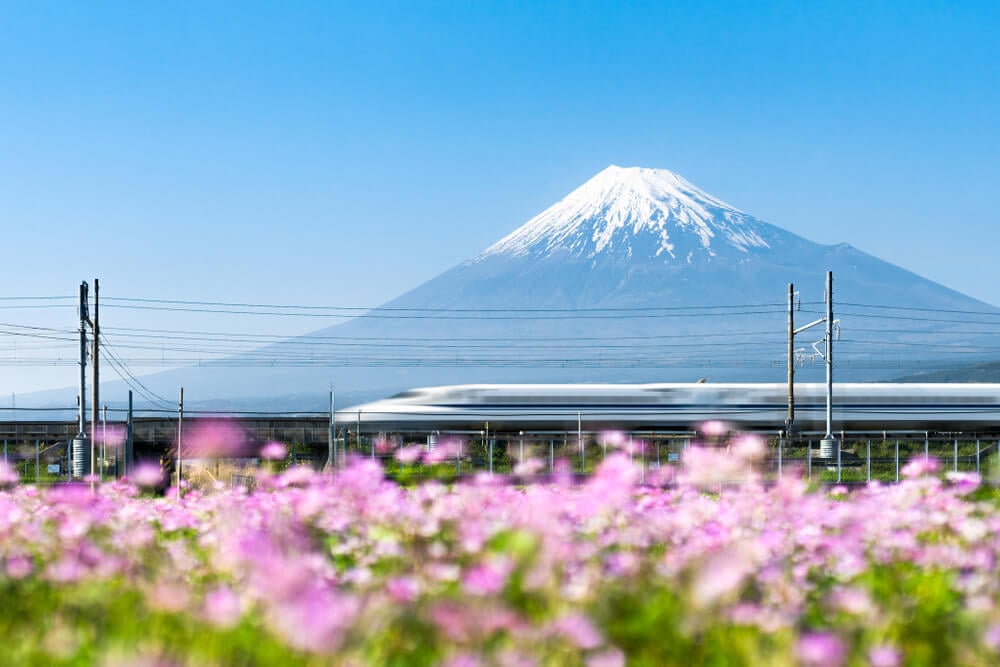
(516, 407)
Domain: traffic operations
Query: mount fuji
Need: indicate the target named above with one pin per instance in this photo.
(635, 276)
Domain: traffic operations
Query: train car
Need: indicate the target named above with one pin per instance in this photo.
(513, 407)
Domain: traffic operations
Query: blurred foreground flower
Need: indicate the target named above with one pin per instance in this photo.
(147, 475)
(273, 451)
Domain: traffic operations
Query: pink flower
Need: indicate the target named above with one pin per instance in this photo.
(821, 649)
(19, 567)
(528, 467)
(409, 454)
(578, 629)
(222, 607)
(884, 656)
(273, 451)
(609, 658)
(721, 575)
(714, 429)
(992, 637)
(749, 447)
(220, 437)
(403, 589)
(484, 580)
(147, 474)
(8, 475)
(919, 467)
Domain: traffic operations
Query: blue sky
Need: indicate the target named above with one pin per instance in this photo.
(341, 153)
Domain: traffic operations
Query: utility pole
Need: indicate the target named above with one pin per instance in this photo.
(180, 432)
(95, 405)
(332, 435)
(129, 435)
(829, 444)
(80, 448)
(790, 419)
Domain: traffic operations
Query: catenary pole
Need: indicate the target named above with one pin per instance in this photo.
(332, 435)
(790, 417)
(180, 440)
(95, 404)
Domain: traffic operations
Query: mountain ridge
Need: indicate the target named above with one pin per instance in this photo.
(552, 262)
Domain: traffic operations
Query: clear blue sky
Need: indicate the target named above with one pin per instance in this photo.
(341, 153)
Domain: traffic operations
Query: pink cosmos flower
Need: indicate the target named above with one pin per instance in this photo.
(19, 567)
(403, 589)
(530, 466)
(409, 454)
(610, 658)
(147, 474)
(215, 438)
(821, 649)
(919, 467)
(8, 475)
(578, 629)
(273, 451)
(884, 656)
(222, 608)
(487, 579)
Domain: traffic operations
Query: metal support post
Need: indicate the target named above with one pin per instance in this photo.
(129, 438)
(977, 455)
(838, 462)
(809, 460)
(552, 456)
(955, 464)
(38, 457)
(897, 459)
(868, 461)
(579, 437)
(780, 441)
(180, 439)
(790, 418)
(331, 455)
(97, 382)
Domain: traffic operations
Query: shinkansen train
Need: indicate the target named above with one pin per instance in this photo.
(513, 407)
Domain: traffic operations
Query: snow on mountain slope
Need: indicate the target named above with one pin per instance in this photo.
(624, 209)
(666, 261)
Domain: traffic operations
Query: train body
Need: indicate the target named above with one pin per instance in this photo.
(513, 407)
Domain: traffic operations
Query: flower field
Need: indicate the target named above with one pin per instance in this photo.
(351, 569)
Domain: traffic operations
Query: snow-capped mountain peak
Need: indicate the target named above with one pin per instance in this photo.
(636, 212)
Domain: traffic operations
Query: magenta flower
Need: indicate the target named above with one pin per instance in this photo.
(487, 579)
(884, 656)
(580, 632)
(8, 475)
(403, 589)
(919, 467)
(608, 658)
(147, 475)
(821, 649)
(409, 454)
(273, 451)
(222, 608)
(216, 438)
